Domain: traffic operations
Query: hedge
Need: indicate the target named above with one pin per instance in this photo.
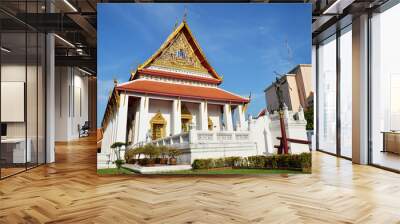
(286, 161)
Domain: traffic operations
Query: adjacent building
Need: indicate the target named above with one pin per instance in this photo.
(297, 89)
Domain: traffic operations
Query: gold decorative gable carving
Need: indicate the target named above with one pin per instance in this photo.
(180, 55)
(158, 119)
(185, 113)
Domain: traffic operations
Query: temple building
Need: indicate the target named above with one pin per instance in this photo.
(175, 97)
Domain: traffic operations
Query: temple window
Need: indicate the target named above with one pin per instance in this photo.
(158, 125)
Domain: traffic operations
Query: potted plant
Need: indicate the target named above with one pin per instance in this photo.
(163, 154)
(138, 152)
(173, 153)
(130, 156)
(152, 152)
(117, 150)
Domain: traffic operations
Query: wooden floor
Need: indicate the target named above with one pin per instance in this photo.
(387, 159)
(70, 191)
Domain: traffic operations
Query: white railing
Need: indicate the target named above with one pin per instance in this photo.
(175, 140)
(202, 137)
(219, 136)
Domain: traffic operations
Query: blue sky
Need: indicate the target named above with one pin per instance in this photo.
(245, 43)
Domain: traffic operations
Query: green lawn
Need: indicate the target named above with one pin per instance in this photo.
(234, 171)
(205, 171)
(114, 171)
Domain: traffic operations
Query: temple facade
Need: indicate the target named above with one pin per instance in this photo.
(174, 98)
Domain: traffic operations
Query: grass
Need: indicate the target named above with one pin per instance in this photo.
(234, 171)
(114, 171)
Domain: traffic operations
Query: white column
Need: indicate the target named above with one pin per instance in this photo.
(122, 118)
(314, 87)
(50, 98)
(137, 117)
(143, 118)
(360, 90)
(228, 117)
(176, 117)
(203, 115)
(241, 117)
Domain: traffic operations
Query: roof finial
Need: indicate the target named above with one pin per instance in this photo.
(185, 14)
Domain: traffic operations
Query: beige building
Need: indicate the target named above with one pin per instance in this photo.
(296, 91)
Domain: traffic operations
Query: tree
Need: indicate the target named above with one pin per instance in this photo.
(117, 150)
(309, 116)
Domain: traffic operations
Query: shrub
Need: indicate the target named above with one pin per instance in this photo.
(137, 152)
(274, 162)
(173, 152)
(151, 151)
(130, 155)
(198, 164)
(283, 160)
(218, 163)
(163, 151)
(256, 161)
(233, 161)
(203, 164)
(289, 161)
(295, 161)
(306, 161)
(144, 161)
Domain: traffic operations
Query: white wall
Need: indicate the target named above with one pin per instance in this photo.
(71, 87)
(194, 110)
(264, 131)
(261, 134)
(214, 112)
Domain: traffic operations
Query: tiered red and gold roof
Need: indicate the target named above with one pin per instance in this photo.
(146, 86)
(180, 90)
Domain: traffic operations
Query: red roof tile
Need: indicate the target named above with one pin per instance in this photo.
(181, 90)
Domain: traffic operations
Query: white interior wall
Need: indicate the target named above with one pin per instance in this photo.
(10, 73)
(14, 73)
(61, 104)
(71, 87)
(33, 126)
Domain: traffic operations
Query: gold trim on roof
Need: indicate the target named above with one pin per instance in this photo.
(169, 41)
(112, 107)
